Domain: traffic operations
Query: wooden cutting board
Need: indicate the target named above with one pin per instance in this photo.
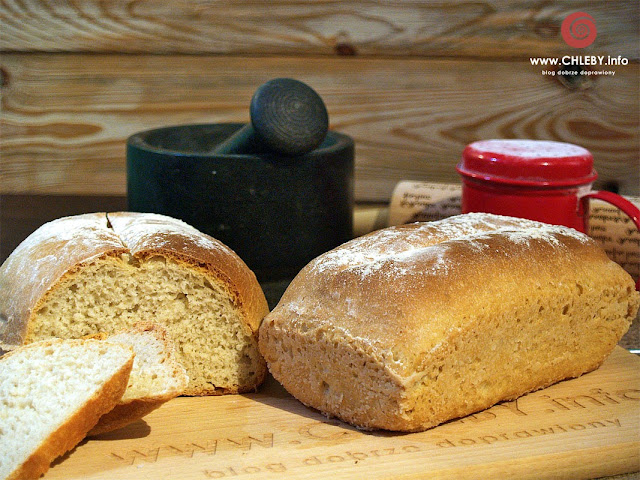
(582, 428)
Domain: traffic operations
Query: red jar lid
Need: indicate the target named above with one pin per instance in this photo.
(528, 162)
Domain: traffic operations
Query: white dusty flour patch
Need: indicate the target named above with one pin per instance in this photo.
(158, 231)
(396, 250)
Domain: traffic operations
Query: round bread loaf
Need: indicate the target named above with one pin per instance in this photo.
(104, 272)
(410, 326)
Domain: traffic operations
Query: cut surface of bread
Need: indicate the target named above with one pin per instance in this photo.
(105, 272)
(156, 376)
(51, 394)
(411, 326)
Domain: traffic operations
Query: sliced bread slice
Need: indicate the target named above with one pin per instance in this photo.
(156, 377)
(51, 394)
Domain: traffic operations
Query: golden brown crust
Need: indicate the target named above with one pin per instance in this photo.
(452, 274)
(383, 309)
(75, 428)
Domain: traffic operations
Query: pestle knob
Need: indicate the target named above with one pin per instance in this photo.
(287, 117)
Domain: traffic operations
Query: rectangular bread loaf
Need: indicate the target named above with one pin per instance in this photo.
(410, 326)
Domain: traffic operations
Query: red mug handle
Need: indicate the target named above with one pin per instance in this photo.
(625, 205)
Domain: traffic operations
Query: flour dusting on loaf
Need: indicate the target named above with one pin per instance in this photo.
(101, 273)
(410, 326)
(396, 246)
(159, 231)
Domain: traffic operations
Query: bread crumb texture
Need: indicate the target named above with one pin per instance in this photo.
(48, 385)
(156, 376)
(155, 372)
(148, 268)
(411, 326)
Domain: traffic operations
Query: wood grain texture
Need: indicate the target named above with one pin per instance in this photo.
(462, 28)
(578, 429)
(65, 117)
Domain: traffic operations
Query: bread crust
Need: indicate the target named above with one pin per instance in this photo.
(62, 247)
(75, 428)
(362, 330)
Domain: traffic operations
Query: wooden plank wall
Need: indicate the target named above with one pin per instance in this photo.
(412, 82)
